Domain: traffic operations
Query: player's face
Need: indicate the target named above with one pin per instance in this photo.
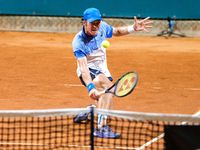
(92, 28)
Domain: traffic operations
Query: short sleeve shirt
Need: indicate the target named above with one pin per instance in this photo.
(92, 49)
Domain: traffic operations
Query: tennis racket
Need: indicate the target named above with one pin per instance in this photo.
(124, 85)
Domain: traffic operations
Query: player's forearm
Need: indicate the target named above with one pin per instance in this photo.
(85, 73)
(120, 31)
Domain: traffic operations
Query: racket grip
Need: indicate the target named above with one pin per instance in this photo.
(102, 92)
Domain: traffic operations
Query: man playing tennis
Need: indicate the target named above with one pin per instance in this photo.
(92, 64)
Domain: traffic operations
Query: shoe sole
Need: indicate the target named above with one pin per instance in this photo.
(116, 137)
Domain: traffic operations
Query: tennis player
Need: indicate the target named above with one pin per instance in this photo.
(92, 65)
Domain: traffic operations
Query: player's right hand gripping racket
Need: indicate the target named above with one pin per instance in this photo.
(124, 85)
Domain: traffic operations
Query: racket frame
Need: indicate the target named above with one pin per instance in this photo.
(136, 79)
(115, 84)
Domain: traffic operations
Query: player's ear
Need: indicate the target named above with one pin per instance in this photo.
(84, 22)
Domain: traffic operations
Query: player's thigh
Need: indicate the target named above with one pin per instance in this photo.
(102, 82)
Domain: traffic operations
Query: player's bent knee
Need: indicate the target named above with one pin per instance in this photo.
(103, 80)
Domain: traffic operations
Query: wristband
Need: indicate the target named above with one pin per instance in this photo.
(90, 87)
(131, 29)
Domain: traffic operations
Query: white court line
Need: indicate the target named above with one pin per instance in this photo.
(189, 89)
(160, 136)
(73, 85)
(66, 145)
(102, 147)
(24, 144)
(192, 89)
(156, 88)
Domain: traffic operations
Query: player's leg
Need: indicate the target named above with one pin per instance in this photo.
(104, 102)
(102, 82)
(84, 117)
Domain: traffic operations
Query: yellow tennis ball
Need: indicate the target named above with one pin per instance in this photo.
(105, 44)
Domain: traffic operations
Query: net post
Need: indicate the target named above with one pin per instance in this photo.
(92, 127)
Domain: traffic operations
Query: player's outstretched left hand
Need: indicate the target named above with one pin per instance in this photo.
(142, 25)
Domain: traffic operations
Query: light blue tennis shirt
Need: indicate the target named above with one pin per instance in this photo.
(92, 49)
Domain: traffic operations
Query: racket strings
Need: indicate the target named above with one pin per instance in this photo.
(126, 84)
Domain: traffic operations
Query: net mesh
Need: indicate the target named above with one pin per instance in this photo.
(55, 129)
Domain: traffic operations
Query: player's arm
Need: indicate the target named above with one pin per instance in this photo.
(137, 26)
(85, 73)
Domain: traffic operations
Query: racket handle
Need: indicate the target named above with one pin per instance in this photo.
(102, 92)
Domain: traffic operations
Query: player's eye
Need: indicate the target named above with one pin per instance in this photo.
(96, 23)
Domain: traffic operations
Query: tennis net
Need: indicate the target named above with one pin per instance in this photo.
(54, 129)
